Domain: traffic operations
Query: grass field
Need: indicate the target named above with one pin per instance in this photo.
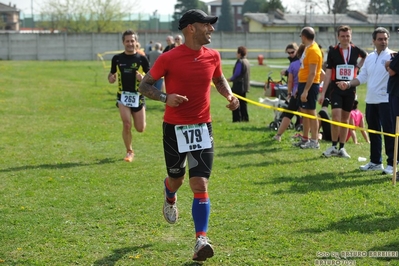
(68, 198)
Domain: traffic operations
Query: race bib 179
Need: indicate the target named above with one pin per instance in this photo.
(192, 137)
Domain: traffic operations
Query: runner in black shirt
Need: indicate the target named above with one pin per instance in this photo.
(342, 65)
(129, 67)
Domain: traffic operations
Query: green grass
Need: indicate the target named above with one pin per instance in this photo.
(68, 198)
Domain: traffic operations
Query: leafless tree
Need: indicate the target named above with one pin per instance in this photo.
(85, 15)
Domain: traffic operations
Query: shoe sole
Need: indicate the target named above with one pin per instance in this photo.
(297, 144)
(371, 169)
(329, 155)
(204, 253)
(385, 173)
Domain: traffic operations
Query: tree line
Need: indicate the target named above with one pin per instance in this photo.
(101, 16)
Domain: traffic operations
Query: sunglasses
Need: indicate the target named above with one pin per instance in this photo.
(291, 52)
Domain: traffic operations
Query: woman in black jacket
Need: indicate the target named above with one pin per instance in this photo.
(240, 86)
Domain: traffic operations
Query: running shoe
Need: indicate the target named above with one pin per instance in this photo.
(202, 250)
(170, 211)
(310, 145)
(300, 142)
(342, 153)
(331, 151)
(129, 156)
(372, 167)
(388, 170)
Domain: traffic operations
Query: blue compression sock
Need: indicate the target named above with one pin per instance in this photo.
(200, 212)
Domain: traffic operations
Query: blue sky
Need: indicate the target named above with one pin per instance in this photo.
(166, 7)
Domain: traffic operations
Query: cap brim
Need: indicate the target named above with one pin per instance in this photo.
(208, 19)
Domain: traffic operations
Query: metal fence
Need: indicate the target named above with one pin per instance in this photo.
(30, 46)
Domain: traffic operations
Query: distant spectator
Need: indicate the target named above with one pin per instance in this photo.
(378, 110)
(292, 86)
(139, 49)
(308, 87)
(291, 51)
(392, 67)
(356, 119)
(240, 79)
(155, 53)
(148, 49)
(153, 56)
(178, 40)
(342, 64)
(170, 44)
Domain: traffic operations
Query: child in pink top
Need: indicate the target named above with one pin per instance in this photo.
(356, 119)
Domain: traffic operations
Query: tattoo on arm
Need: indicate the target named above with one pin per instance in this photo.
(222, 86)
(147, 89)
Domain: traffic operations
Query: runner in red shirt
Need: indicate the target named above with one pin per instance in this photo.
(189, 70)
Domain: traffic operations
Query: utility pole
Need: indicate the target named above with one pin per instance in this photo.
(155, 17)
(31, 12)
(393, 17)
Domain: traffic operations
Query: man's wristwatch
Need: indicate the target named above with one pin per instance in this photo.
(163, 97)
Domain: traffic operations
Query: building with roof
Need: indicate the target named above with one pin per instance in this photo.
(236, 6)
(278, 21)
(9, 17)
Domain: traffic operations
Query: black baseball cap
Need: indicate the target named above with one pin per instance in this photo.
(195, 15)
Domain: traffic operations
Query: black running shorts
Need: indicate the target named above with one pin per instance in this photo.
(199, 162)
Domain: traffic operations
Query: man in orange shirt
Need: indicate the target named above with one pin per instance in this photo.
(308, 87)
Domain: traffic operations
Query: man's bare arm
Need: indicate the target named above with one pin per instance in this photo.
(222, 86)
(224, 89)
(147, 89)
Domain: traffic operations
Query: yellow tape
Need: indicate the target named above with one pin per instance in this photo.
(314, 117)
(100, 56)
(281, 109)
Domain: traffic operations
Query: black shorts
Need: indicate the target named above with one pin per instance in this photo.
(199, 162)
(326, 127)
(312, 96)
(292, 106)
(133, 109)
(342, 99)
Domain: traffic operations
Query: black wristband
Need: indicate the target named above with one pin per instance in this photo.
(163, 97)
